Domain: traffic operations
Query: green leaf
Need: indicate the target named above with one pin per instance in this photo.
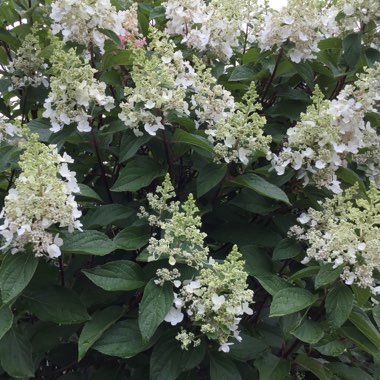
(349, 176)
(251, 201)
(306, 73)
(6, 319)
(155, 305)
(242, 73)
(16, 271)
(352, 46)
(209, 176)
(100, 321)
(326, 275)
(260, 186)
(168, 360)
(132, 238)
(291, 300)
(123, 339)
(309, 331)
(223, 368)
(183, 137)
(352, 333)
(348, 372)
(138, 173)
(9, 156)
(57, 304)
(88, 243)
(376, 315)
(272, 283)
(316, 367)
(107, 215)
(130, 144)
(249, 348)
(257, 262)
(118, 275)
(339, 303)
(16, 355)
(286, 249)
(272, 367)
(333, 348)
(117, 57)
(365, 326)
(87, 192)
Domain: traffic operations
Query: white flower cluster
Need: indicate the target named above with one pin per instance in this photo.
(73, 92)
(131, 33)
(358, 14)
(345, 233)
(213, 26)
(215, 300)
(39, 200)
(28, 67)
(161, 77)
(332, 133)
(218, 296)
(211, 102)
(10, 132)
(240, 135)
(81, 21)
(303, 24)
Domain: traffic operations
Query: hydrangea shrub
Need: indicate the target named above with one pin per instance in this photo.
(189, 190)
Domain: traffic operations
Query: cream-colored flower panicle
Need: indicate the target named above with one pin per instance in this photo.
(346, 233)
(161, 77)
(28, 67)
(181, 239)
(81, 21)
(215, 301)
(240, 135)
(73, 91)
(43, 196)
(214, 26)
(10, 132)
(303, 23)
(333, 133)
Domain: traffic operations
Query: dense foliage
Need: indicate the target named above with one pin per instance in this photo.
(189, 190)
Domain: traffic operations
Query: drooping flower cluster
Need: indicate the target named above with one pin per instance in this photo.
(302, 23)
(346, 232)
(42, 197)
(161, 77)
(181, 239)
(28, 67)
(73, 91)
(82, 21)
(240, 135)
(332, 133)
(213, 26)
(215, 300)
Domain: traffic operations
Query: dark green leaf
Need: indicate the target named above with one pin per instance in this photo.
(316, 367)
(334, 348)
(286, 249)
(100, 321)
(261, 186)
(352, 46)
(291, 300)
(183, 137)
(87, 192)
(6, 319)
(16, 355)
(364, 325)
(326, 275)
(272, 367)
(16, 271)
(209, 176)
(155, 305)
(132, 238)
(107, 215)
(242, 73)
(223, 368)
(348, 372)
(309, 331)
(272, 283)
(88, 242)
(57, 304)
(117, 275)
(130, 144)
(138, 173)
(117, 57)
(123, 339)
(339, 304)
